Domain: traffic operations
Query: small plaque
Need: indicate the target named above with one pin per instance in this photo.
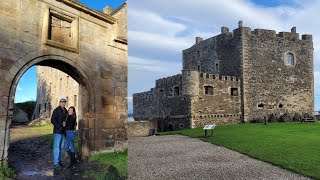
(209, 126)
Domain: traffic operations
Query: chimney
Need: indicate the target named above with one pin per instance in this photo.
(108, 10)
(198, 39)
(240, 24)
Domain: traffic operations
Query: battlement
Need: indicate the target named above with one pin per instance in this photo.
(293, 35)
(226, 34)
(218, 77)
(165, 80)
(144, 95)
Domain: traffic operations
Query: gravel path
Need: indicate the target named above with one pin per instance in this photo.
(180, 157)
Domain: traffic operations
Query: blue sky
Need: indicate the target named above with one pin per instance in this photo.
(160, 30)
(27, 86)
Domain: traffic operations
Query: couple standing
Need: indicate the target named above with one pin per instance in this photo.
(64, 133)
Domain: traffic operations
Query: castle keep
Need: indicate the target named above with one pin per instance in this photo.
(234, 77)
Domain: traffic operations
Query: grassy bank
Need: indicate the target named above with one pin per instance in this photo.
(292, 146)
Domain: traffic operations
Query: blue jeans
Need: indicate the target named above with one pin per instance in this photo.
(69, 144)
(58, 140)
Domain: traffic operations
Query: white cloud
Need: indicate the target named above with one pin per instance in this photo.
(153, 65)
(19, 88)
(161, 42)
(140, 19)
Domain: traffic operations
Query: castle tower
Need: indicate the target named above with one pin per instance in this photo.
(190, 83)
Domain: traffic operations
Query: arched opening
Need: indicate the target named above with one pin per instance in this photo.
(290, 59)
(84, 97)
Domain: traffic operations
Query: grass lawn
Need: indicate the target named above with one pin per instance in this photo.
(292, 146)
(119, 160)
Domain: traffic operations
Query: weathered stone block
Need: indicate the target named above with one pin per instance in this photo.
(5, 38)
(6, 64)
(107, 121)
(107, 100)
(106, 74)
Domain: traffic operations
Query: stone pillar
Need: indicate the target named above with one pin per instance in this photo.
(4, 137)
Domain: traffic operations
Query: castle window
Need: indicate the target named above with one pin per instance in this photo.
(198, 68)
(198, 53)
(208, 90)
(260, 106)
(161, 92)
(234, 91)
(62, 30)
(280, 105)
(217, 67)
(176, 91)
(45, 107)
(290, 59)
(39, 108)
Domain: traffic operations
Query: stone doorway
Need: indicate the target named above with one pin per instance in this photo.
(86, 101)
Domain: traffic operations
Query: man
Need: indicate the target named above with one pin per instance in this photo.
(58, 117)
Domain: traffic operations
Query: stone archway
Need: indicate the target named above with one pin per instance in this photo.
(89, 46)
(86, 98)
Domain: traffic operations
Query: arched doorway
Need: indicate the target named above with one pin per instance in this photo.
(86, 101)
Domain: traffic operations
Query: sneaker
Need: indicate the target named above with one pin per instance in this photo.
(60, 163)
(58, 167)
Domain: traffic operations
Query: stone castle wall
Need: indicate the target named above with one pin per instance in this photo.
(217, 55)
(53, 85)
(272, 85)
(222, 106)
(141, 128)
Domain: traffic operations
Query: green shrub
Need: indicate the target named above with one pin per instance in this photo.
(27, 107)
(272, 118)
(284, 118)
(6, 172)
(296, 117)
(256, 121)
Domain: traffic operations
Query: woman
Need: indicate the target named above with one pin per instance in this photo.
(70, 126)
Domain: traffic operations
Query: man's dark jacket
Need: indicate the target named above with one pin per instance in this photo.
(58, 116)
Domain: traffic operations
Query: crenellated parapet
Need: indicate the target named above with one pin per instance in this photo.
(204, 76)
(168, 80)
